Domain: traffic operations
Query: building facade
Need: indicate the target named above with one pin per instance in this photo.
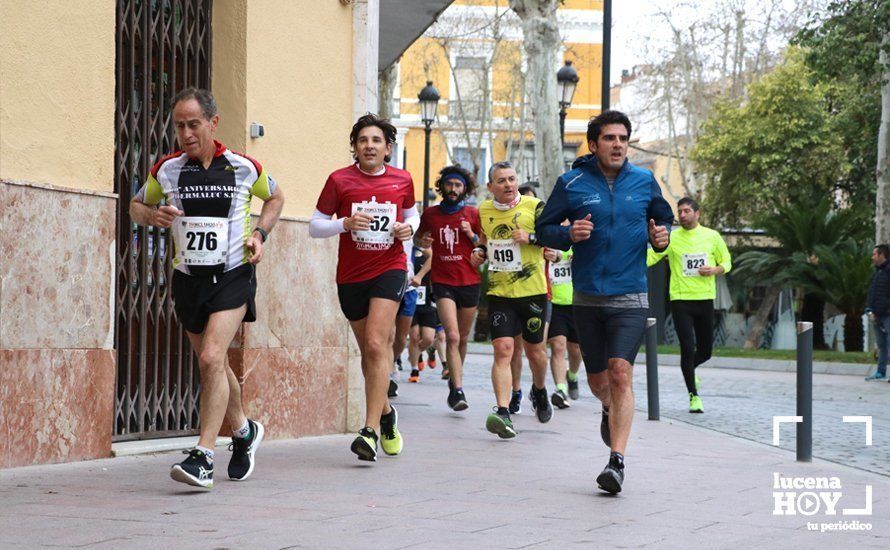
(90, 350)
(473, 55)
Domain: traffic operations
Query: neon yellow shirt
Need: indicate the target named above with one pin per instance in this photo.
(688, 251)
(512, 275)
(561, 280)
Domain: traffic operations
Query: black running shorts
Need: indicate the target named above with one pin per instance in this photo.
(195, 298)
(562, 323)
(465, 297)
(609, 333)
(426, 316)
(509, 317)
(355, 298)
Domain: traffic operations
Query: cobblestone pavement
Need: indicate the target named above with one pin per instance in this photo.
(742, 403)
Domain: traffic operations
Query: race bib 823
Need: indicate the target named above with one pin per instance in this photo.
(693, 262)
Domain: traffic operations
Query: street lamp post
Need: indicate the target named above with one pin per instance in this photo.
(566, 81)
(429, 102)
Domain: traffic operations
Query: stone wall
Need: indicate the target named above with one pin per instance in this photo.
(57, 365)
(299, 367)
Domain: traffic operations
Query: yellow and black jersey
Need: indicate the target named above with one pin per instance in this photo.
(511, 275)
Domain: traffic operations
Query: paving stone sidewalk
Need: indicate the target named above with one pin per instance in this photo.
(742, 402)
(455, 486)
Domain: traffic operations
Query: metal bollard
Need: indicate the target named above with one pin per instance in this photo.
(652, 367)
(805, 391)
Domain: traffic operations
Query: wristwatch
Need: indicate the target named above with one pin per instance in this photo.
(532, 238)
(263, 233)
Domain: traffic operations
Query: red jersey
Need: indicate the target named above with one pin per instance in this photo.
(368, 254)
(451, 247)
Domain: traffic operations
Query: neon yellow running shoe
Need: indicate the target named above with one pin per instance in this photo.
(391, 439)
(695, 405)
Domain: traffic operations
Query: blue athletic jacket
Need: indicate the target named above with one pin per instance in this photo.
(613, 260)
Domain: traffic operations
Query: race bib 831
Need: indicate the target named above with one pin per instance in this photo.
(561, 273)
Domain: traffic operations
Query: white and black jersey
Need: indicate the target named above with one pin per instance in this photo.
(209, 237)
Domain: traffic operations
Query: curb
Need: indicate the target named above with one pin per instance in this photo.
(774, 365)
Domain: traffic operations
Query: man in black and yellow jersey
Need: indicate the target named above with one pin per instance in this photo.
(201, 194)
(517, 291)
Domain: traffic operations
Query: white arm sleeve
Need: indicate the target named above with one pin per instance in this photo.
(322, 226)
(411, 217)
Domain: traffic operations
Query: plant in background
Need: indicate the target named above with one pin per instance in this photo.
(839, 274)
(800, 232)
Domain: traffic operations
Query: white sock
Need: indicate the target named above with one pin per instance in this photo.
(243, 432)
(207, 452)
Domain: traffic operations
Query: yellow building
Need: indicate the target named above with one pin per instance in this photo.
(474, 57)
(91, 352)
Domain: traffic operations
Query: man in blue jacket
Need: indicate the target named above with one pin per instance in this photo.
(878, 306)
(614, 208)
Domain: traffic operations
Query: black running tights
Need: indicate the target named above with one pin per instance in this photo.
(694, 322)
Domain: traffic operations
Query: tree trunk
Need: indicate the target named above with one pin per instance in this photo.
(882, 202)
(853, 334)
(541, 41)
(761, 317)
(386, 90)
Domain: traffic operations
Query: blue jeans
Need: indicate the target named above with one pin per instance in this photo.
(882, 334)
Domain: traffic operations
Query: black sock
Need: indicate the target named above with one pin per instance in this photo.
(617, 459)
(605, 410)
(503, 411)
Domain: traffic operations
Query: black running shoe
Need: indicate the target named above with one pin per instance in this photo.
(516, 402)
(574, 394)
(195, 470)
(393, 390)
(560, 400)
(605, 433)
(611, 478)
(540, 404)
(456, 399)
(365, 445)
(244, 450)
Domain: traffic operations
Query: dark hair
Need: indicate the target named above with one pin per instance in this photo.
(527, 188)
(883, 250)
(595, 126)
(370, 119)
(690, 201)
(202, 96)
(498, 166)
(469, 187)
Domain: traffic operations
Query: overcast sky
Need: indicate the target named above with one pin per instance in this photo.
(629, 19)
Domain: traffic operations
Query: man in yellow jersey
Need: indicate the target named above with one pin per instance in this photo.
(696, 255)
(517, 291)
